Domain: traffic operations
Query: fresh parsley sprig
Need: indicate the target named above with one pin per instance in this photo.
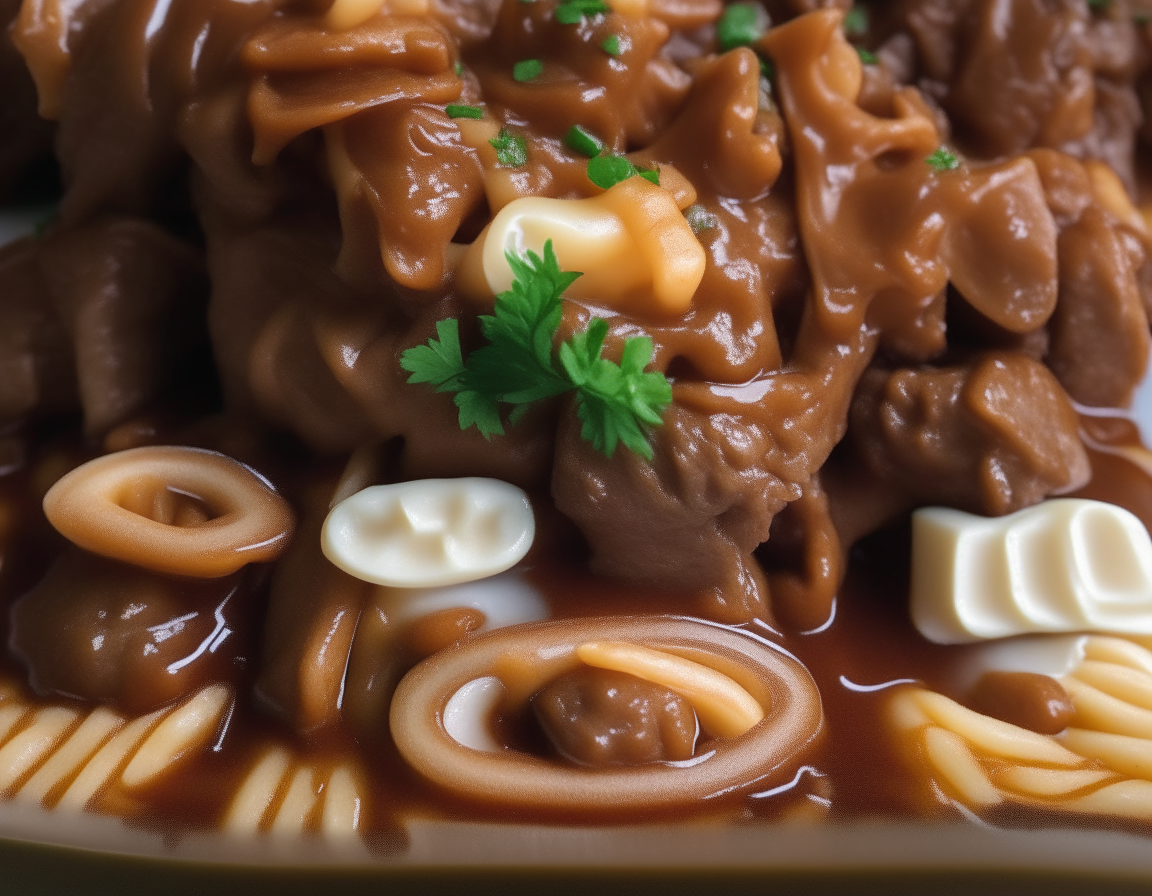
(511, 150)
(616, 403)
(943, 159)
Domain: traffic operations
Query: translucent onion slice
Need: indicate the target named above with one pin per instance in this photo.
(526, 657)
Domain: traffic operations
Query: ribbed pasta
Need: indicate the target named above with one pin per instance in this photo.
(1101, 765)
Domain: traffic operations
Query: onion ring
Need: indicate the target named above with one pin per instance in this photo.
(251, 522)
(526, 657)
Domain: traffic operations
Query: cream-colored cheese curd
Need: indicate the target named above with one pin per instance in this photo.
(1065, 565)
(430, 532)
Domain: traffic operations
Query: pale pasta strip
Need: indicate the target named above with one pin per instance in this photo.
(297, 804)
(723, 706)
(11, 714)
(102, 768)
(93, 732)
(185, 731)
(258, 793)
(955, 763)
(1127, 755)
(343, 805)
(993, 736)
(27, 749)
(1120, 651)
(1122, 682)
(1102, 712)
(1125, 799)
(1049, 783)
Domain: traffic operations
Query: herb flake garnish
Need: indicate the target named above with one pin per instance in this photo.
(943, 160)
(511, 150)
(867, 56)
(739, 26)
(583, 141)
(607, 170)
(573, 12)
(611, 45)
(616, 403)
(527, 70)
(699, 218)
(455, 110)
(856, 21)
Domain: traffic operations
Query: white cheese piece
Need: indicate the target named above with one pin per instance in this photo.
(1065, 565)
(430, 532)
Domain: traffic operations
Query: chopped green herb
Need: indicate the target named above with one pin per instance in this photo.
(867, 56)
(527, 70)
(1099, 4)
(856, 21)
(583, 141)
(1142, 18)
(608, 170)
(767, 69)
(573, 12)
(459, 68)
(457, 111)
(943, 160)
(739, 26)
(699, 218)
(511, 151)
(616, 403)
(611, 45)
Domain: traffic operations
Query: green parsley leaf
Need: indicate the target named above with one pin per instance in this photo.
(607, 170)
(583, 141)
(1099, 4)
(611, 45)
(856, 21)
(439, 363)
(739, 26)
(457, 111)
(943, 160)
(616, 403)
(527, 70)
(767, 68)
(511, 151)
(573, 12)
(867, 56)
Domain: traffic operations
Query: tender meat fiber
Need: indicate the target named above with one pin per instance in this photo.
(597, 717)
(1028, 73)
(110, 632)
(990, 437)
(103, 315)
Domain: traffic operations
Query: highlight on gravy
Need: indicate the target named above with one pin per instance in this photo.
(502, 410)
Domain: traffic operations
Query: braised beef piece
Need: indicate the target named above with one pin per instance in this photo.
(110, 632)
(599, 717)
